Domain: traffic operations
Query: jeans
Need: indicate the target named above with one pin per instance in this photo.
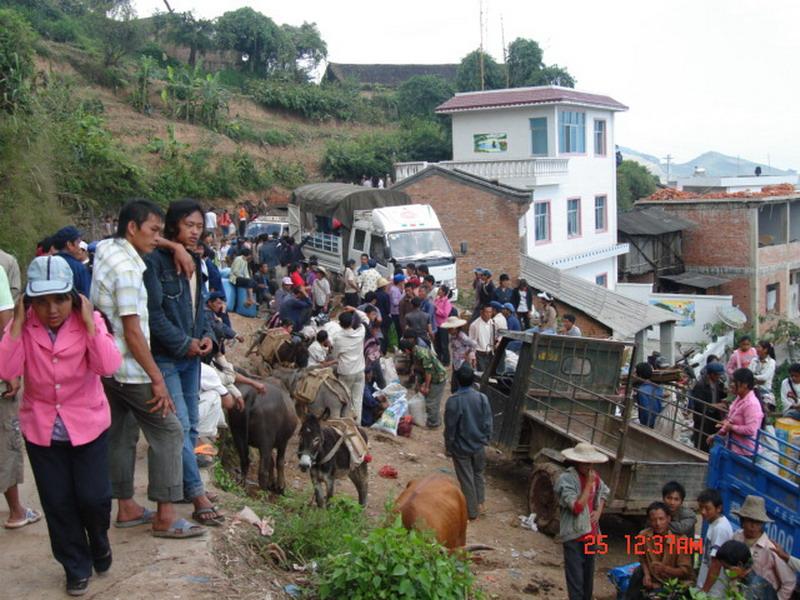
(578, 570)
(469, 470)
(75, 492)
(182, 378)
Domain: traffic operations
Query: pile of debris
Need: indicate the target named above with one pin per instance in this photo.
(781, 189)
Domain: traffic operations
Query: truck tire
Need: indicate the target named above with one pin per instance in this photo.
(542, 498)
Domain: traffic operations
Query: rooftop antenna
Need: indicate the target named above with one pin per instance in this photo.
(480, 57)
(505, 55)
(668, 158)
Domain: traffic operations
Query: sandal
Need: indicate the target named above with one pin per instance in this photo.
(179, 530)
(206, 449)
(211, 521)
(212, 497)
(31, 517)
(147, 517)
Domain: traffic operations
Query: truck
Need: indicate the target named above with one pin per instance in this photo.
(343, 221)
(277, 225)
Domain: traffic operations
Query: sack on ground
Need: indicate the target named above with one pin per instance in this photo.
(391, 416)
(389, 370)
(416, 408)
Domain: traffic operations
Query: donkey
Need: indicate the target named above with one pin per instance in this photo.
(322, 452)
(267, 422)
(333, 399)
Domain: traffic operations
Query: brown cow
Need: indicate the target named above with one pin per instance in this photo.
(435, 502)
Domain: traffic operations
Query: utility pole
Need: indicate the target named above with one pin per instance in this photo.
(505, 54)
(480, 57)
(668, 158)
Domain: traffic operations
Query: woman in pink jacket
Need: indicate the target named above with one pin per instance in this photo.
(62, 347)
(744, 416)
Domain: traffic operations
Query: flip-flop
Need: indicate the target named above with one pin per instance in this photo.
(206, 449)
(212, 497)
(180, 529)
(31, 516)
(210, 522)
(147, 517)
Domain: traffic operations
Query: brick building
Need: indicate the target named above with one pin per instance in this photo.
(754, 243)
(465, 204)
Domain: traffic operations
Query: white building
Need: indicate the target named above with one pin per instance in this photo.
(703, 184)
(559, 143)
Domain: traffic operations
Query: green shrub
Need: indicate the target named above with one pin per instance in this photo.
(287, 174)
(16, 60)
(276, 137)
(392, 562)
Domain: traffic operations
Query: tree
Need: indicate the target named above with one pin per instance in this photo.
(304, 49)
(634, 181)
(524, 62)
(184, 29)
(16, 59)
(553, 75)
(468, 78)
(118, 37)
(250, 33)
(421, 94)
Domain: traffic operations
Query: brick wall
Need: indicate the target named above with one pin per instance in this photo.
(487, 222)
(588, 326)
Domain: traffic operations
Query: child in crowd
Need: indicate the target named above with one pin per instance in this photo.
(319, 351)
(737, 560)
(682, 518)
(649, 396)
(719, 531)
(56, 335)
(766, 562)
(742, 356)
(790, 393)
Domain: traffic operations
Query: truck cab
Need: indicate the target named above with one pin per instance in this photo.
(401, 235)
(276, 225)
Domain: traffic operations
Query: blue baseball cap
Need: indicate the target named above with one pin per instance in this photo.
(509, 306)
(715, 367)
(216, 296)
(496, 305)
(70, 233)
(48, 275)
(398, 278)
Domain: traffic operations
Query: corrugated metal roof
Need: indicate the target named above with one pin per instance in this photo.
(696, 280)
(621, 314)
(651, 221)
(548, 94)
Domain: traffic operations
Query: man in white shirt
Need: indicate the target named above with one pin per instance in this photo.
(348, 350)
(497, 316)
(319, 351)
(211, 222)
(483, 333)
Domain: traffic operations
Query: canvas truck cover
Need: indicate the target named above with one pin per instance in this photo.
(340, 200)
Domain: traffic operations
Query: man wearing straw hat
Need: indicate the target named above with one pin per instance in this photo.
(766, 563)
(462, 348)
(581, 497)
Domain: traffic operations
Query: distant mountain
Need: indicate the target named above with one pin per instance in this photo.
(716, 164)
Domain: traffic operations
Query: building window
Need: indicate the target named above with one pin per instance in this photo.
(541, 221)
(572, 132)
(573, 217)
(600, 213)
(539, 136)
(601, 280)
(599, 137)
(773, 297)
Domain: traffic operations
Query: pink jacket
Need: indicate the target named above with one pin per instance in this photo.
(740, 360)
(442, 307)
(745, 416)
(61, 378)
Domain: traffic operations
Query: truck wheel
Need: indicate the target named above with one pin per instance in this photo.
(542, 498)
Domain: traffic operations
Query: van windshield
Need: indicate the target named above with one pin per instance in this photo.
(256, 229)
(419, 245)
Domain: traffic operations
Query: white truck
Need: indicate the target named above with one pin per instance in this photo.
(344, 221)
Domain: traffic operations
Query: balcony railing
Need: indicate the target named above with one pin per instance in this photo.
(523, 168)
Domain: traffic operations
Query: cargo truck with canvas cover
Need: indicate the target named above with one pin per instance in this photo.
(344, 221)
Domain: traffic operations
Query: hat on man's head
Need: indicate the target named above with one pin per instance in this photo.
(584, 452)
(487, 272)
(216, 296)
(452, 323)
(496, 305)
(382, 282)
(70, 233)
(286, 281)
(48, 275)
(398, 278)
(509, 306)
(715, 367)
(753, 509)
(478, 270)
(545, 296)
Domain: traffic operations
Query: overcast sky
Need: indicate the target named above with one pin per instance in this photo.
(697, 75)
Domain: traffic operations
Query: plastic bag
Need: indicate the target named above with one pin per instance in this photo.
(389, 370)
(416, 408)
(391, 416)
(621, 576)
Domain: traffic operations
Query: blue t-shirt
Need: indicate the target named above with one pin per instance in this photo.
(648, 398)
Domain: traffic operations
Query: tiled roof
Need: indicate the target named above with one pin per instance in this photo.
(506, 191)
(651, 221)
(524, 97)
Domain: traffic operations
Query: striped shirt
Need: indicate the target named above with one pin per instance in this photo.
(118, 291)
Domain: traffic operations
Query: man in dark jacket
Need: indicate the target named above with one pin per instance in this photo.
(504, 293)
(67, 241)
(706, 403)
(467, 430)
(179, 336)
(296, 308)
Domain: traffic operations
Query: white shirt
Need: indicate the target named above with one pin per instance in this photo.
(523, 301)
(764, 371)
(482, 333)
(786, 387)
(211, 220)
(500, 321)
(321, 291)
(348, 348)
(317, 354)
(719, 532)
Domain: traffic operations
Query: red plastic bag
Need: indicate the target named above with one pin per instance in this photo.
(405, 425)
